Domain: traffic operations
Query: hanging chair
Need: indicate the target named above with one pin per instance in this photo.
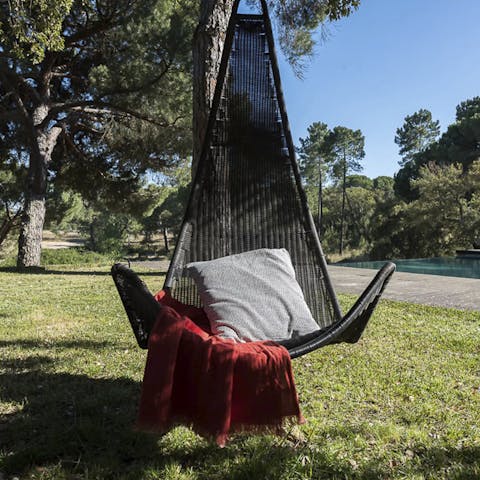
(247, 194)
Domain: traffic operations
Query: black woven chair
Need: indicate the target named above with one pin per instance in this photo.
(247, 192)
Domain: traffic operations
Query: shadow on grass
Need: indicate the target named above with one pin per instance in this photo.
(75, 425)
(80, 422)
(464, 460)
(78, 426)
(32, 344)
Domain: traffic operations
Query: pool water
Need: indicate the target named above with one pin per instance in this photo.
(448, 266)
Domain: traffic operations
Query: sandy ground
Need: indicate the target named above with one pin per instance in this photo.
(50, 241)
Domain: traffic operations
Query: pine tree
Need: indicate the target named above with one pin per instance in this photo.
(104, 83)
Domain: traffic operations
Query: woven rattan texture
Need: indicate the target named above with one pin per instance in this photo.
(248, 197)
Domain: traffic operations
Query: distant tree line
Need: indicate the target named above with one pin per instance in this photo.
(430, 207)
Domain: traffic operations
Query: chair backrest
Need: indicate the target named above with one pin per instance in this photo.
(247, 193)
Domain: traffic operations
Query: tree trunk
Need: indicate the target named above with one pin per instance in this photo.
(33, 218)
(207, 54)
(344, 193)
(165, 239)
(30, 239)
(320, 198)
(356, 222)
(93, 236)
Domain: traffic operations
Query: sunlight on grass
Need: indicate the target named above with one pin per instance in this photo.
(402, 403)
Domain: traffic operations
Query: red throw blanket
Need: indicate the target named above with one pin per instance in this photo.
(215, 385)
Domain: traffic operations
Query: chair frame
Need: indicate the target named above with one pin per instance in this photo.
(344, 328)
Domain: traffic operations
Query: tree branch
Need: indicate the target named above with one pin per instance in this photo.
(18, 100)
(18, 79)
(5, 97)
(100, 108)
(149, 83)
(46, 73)
(107, 21)
(79, 152)
(73, 145)
(81, 127)
(10, 116)
(98, 27)
(66, 75)
(15, 216)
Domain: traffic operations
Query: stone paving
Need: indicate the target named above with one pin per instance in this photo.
(454, 292)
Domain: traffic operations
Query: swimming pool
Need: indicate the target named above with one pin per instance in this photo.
(448, 266)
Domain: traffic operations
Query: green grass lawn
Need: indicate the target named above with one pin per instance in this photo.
(401, 404)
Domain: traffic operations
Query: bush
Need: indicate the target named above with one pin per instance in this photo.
(75, 256)
(8, 251)
(108, 233)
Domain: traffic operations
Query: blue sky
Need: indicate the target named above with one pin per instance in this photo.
(386, 61)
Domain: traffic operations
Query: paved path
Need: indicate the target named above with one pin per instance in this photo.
(60, 244)
(455, 292)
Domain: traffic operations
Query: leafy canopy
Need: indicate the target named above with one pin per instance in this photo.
(347, 148)
(313, 153)
(113, 75)
(29, 28)
(418, 132)
(298, 20)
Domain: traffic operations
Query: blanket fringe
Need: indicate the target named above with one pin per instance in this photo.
(281, 429)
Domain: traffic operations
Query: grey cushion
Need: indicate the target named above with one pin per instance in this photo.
(253, 296)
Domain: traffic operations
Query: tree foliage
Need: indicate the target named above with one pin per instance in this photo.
(346, 149)
(419, 144)
(298, 22)
(169, 211)
(438, 209)
(446, 215)
(418, 132)
(313, 152)
(358, 222)
(314, 163)
(333, 156)
(467, 109)
(12, 178)
(109, 91)
(30, 28)
(461, 142)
